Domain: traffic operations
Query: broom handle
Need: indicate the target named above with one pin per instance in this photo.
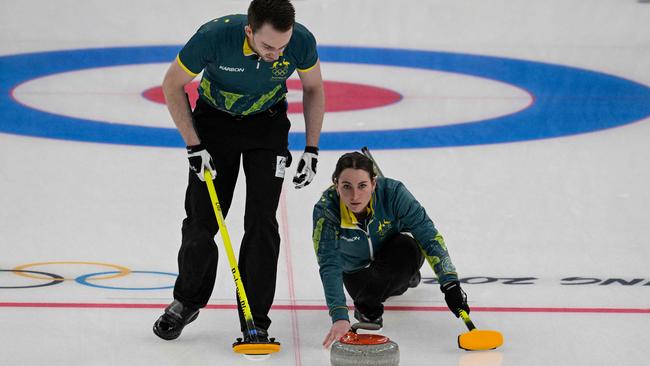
(241, 293)
(365, 151)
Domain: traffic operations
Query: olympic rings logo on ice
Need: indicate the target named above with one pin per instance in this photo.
(89, 279)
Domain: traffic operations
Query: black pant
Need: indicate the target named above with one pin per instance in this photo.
(388, 275)
(259, 141)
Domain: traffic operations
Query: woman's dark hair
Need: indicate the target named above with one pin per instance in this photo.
(354, 160)
(280, 14)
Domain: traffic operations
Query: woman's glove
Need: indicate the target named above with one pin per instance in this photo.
(455, 297)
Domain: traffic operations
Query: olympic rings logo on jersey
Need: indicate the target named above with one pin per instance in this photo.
(280, 68)
(88, 279)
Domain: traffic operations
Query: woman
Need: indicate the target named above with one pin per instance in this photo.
(371, 236)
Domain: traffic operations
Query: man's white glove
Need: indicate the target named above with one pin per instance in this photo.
(200, 160)
(307, 167)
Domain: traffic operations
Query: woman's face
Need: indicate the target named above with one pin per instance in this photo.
(355, 188)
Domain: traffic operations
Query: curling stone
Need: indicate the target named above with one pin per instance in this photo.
(355, 349)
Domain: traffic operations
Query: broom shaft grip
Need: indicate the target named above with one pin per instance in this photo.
(466, 319)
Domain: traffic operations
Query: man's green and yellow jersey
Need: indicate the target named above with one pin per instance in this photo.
(234, 79)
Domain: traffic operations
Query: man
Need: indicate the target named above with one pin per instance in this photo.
(241, 114)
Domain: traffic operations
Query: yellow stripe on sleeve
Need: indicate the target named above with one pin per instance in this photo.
(308, 69)
(180, 63)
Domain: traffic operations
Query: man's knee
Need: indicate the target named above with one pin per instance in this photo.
(199, 238)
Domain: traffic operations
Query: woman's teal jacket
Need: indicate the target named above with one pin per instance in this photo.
(344, 245)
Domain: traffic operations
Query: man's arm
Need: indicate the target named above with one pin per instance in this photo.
(313, 101)
(173, 87)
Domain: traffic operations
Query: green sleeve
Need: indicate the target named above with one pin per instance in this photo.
(307, 56)
(198, 52)
(415, 220)
(329, 263)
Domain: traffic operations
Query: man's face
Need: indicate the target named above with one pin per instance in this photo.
(267, 42)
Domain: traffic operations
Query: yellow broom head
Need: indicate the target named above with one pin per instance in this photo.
(480, 340)
(256, 348)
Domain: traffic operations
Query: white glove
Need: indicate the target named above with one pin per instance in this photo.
(307, 167)
(200, 159)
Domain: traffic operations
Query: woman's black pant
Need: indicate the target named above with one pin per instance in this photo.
(398, 259)
(260, 143)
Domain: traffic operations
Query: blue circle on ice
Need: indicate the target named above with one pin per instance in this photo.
(83, 280)
(567, 100)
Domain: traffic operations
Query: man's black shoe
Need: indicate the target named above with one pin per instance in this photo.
(262, 336)
(170, 325)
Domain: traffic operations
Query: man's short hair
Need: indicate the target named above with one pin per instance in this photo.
(280, 14)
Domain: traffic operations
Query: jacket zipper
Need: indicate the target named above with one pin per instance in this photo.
(372, 253)
(367, 232)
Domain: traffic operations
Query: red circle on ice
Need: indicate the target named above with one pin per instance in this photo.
(339, 96)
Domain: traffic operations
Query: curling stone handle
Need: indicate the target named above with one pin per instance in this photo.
(364, 326)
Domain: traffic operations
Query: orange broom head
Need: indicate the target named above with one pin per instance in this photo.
(256, 348)
(480, 340)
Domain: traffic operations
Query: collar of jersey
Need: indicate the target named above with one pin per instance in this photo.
(348, 219)
(248, 51)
